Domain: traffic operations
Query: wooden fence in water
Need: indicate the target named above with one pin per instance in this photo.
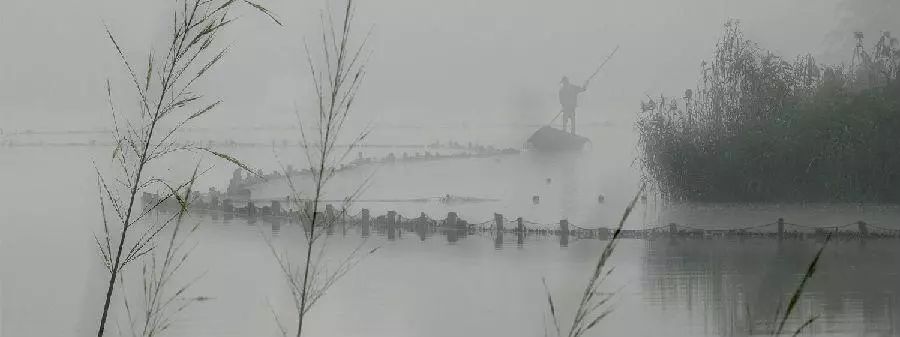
(393, 225)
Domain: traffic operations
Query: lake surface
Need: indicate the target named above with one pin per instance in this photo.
(52, 280)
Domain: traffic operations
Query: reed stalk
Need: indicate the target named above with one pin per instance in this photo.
(589, 313)
(337, 71)
(166, 102)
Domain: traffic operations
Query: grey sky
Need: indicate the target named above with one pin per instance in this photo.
(462, 60)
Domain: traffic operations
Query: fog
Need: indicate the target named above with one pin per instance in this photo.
(453, 89)
(447, 61)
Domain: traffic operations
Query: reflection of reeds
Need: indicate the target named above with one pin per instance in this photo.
(586, 314)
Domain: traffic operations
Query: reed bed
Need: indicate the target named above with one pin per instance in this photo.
(761, 128)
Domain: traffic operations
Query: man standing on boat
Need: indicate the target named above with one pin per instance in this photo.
(568, 99)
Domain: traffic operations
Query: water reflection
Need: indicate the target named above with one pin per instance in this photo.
(728, 286)
(737, 286)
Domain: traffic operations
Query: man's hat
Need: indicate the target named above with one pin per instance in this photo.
(565, 79)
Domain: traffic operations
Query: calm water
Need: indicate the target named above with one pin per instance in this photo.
(434, 287)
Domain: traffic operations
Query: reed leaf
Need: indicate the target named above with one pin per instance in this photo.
(810, 271)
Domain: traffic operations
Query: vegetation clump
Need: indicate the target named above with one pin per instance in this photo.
(761, 128)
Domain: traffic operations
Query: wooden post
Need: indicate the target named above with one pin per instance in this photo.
(227, 206)
(520, 231)
(603, 233)
(498, 238)
(329, 219)
(498, 222)
(276, 208)
(673, 229)
(563, 233)
(780, 228)
(420, 226)
(863, 229)
(251, 209)
(451, 220)
(450, 227)
(391, 225)
(365, 222)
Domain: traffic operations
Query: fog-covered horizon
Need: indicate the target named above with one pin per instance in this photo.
(442, 61)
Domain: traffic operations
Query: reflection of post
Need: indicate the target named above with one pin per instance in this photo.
(451, 235)
(276, 227)
(498, 239)
(391, 225)
(780, 229)
(365, 223)
(462, 227)
(563, 233)
(863, 229)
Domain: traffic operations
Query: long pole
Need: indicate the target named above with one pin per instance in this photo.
(601, 66)
(554, 118)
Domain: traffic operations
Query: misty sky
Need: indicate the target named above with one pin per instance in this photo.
(433, 61)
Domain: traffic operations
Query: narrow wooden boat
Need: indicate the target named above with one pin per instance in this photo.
(555, 140)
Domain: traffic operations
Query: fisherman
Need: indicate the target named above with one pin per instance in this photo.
(568, 99)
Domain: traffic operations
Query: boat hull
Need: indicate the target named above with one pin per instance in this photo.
(555, 140)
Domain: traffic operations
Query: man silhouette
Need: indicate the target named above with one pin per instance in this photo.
(568, 99)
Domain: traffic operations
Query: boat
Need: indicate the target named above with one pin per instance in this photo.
(551, 139)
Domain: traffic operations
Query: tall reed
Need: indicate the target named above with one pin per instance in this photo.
(337, 71)
(166, 102)
(592, 300)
